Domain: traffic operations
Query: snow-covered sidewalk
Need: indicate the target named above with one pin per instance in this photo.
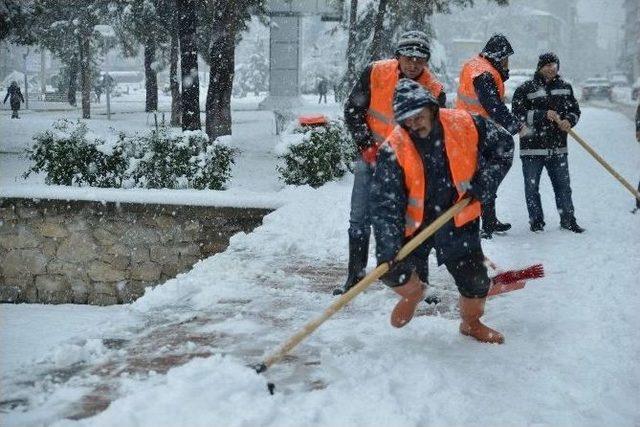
(178, 355)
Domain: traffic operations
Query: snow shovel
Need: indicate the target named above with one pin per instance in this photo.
(604, 163)
(363, 284)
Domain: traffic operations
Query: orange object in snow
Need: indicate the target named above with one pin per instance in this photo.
(313, 120)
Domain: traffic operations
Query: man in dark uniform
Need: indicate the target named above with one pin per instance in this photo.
(548, 106)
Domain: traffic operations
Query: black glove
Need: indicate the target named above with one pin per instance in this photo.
(398, 274)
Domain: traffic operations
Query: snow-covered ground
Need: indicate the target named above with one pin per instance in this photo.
(178, 355)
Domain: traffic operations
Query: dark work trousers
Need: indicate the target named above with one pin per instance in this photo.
(360, 217)
(469, 272)
(558, 169)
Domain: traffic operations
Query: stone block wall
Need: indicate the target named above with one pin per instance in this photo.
(54, 251)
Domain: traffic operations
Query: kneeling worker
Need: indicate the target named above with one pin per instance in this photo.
(432, 159)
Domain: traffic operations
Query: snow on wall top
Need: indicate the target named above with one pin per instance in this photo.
(228, 198)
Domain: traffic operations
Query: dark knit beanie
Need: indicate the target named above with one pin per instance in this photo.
(548, 58)
(410, 98)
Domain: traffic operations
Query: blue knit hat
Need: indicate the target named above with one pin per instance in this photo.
(410, 98)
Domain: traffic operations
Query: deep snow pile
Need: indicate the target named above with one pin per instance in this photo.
(571, 349)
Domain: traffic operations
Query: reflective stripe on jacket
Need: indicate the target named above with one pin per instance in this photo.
(383, 80)
(467, 98)
(461, 147)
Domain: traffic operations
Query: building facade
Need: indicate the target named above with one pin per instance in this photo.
(630, 58)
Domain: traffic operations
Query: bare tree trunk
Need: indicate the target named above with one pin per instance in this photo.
(73, 82)
(43, 73)
(85, 75)
(378, 28)
(218, 107)
(419, 18)
(189, 65)
(351, 45)
(174, 83)
(150, 75)
(26, 78)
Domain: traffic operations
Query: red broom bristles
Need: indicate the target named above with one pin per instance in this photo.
(511, 276)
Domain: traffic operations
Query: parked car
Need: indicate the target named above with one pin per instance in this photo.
(517, 76)
(619, 80)
(635, 90)
(597, 87)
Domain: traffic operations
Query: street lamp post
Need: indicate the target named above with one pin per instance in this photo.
(107, 79)
(108, 33)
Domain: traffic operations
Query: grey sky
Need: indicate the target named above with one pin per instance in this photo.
(609, 14)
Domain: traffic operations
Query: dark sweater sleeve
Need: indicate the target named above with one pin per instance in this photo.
(521, 108)
(388, 208)
(573, 109)
(388, 205)
(489, 98)
(442, 100)
(355, 110)
(638, 118)
(6, 96)
(495, 156)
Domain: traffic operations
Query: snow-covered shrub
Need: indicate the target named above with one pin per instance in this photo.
(166, 158)
(251, 76)
(162, 158)
(69, 155)
(211, 167)
(316, 155)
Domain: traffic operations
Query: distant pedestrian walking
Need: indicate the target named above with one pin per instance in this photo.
(98, 91)
(323, 86)
(15, 97)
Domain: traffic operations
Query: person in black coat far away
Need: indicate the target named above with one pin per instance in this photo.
(323, 87)
(15, 97)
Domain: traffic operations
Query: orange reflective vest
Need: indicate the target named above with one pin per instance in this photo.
(461, 147)
(467, 98)
(383, 79)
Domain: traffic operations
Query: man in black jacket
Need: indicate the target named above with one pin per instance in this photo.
(481, 91)
(368, 114)
(432, 159)
(550, 109)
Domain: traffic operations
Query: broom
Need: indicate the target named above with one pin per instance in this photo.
(512, 280)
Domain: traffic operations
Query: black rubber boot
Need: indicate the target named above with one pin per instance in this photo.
(358, 256)
(537, 226)
(571, 225)
(490, 223)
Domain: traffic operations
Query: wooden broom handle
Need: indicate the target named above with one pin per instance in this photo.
(363, 284)
(604, 163)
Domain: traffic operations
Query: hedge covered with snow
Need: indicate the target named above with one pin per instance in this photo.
(69, 154)
(315, 155)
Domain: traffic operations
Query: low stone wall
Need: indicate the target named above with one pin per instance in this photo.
(55, 251)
